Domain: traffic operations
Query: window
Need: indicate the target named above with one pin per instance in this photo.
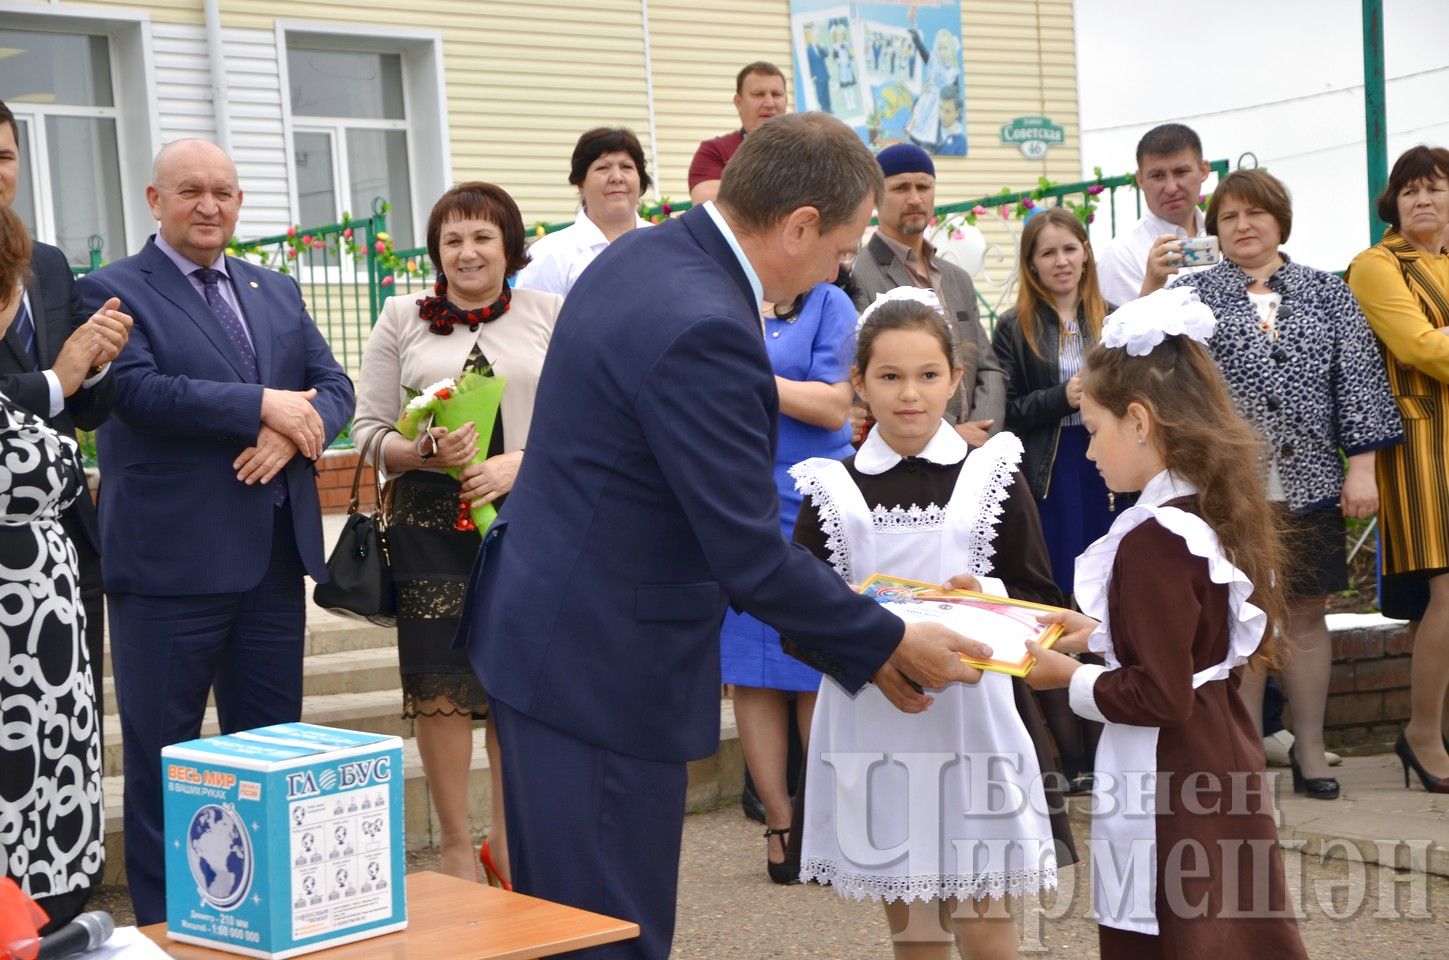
(350, 136)
(62, 91)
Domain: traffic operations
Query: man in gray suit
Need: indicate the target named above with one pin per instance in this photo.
(900, 256)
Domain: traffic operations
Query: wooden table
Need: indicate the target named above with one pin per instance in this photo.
(452, 919)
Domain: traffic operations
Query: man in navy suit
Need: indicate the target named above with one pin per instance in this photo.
(645, 504)
(209, 509)
(55, 362)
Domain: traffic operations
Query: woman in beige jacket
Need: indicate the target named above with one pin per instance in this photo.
(473, 322)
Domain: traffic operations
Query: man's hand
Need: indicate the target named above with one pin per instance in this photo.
(1163, 260)
(974, 432)
(1078, 628)
(290, 413)
(487, 481)
(1051, 670)
(76, 358)
(900, 691)
(930, 655)
(112, 329)
(259, 464)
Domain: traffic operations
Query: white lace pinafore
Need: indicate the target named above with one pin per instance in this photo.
(945, 803)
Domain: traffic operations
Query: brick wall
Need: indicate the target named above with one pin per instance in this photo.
(334, 481)
(1368, 694)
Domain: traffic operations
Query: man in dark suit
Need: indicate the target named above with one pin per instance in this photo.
(899, 255)
(209, 509)
(55, 362)
(645, 504)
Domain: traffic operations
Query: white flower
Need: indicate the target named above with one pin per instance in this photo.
(423, 399)
(1142, 324)
(923, 295)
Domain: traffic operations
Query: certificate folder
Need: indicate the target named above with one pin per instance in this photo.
(1002, 623)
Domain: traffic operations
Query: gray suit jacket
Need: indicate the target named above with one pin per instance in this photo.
(877, 270)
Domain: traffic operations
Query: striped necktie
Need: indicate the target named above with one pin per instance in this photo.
(25, 330)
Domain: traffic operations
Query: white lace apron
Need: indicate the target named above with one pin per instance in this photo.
(946, 803)
(1124, 831)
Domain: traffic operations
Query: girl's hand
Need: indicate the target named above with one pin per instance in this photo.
(962, 581)
(456, 448)
(487, 481)
(1051, 670)
(1078, 627)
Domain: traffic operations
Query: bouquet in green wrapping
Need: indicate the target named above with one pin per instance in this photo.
(472, 398)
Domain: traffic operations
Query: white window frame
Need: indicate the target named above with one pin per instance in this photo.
(425, 109)
(135, 109)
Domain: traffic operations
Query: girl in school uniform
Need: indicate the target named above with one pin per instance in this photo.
(943, 811)
(1180, 591)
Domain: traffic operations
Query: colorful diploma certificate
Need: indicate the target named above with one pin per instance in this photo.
(1002, 623)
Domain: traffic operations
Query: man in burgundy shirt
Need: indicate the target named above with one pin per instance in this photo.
(759, 95)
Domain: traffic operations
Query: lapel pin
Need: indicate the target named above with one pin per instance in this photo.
(253, 284)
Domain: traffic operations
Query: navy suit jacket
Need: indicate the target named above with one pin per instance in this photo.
(56, 313)
(646, 503)
(175, 521)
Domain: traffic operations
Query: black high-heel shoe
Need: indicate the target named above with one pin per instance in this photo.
(783, 873)
(1317, 788)
(1406, 756)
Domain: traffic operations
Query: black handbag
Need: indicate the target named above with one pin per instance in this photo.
(359, 571)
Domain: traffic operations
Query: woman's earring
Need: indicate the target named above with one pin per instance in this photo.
(1142, 441)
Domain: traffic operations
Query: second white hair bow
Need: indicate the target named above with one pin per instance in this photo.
(923, 295)
(1139, 326)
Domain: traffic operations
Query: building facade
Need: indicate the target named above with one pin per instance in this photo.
(327, 105)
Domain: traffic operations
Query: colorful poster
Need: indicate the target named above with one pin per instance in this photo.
(892, 70)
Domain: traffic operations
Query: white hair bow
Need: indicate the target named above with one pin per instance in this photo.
(1142, 324)
(922, 295)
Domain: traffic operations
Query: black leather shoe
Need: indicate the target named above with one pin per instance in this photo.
(1316, 788)
(784, 873)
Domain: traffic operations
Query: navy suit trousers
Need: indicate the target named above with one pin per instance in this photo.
(593, 829)
(167, 653)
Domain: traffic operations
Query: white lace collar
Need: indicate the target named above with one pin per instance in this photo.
(945, 448)
(1163, 487)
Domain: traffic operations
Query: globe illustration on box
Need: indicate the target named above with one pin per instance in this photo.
(219, 851)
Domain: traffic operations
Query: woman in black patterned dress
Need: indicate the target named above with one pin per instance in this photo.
(50, 756)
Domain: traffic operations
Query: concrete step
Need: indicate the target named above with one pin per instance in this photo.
(343, 671)
(711, 781)
(373, 711)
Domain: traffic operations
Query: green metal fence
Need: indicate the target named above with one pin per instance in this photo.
(347, 269)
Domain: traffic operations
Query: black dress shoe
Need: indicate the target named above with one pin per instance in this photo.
(1316, 788)
(1079, 786)
(784, 873)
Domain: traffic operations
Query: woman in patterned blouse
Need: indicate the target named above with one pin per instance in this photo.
(1302, 366)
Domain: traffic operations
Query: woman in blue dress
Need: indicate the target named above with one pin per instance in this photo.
(809, 343)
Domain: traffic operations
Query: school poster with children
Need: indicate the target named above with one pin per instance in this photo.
(890, 70)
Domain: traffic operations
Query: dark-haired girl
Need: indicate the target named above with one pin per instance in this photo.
(917, 502)
(1179, 592)
(808, 342)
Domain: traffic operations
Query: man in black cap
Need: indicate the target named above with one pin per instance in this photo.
(899, 255)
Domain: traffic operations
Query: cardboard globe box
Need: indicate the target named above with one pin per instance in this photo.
(284, 839)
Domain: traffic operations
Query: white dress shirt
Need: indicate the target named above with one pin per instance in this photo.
(559, 257)
(1123, 266)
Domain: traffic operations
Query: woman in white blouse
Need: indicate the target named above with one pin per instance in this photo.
(609, 171)
(474, 321)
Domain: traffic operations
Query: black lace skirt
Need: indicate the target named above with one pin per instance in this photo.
(431, 560)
